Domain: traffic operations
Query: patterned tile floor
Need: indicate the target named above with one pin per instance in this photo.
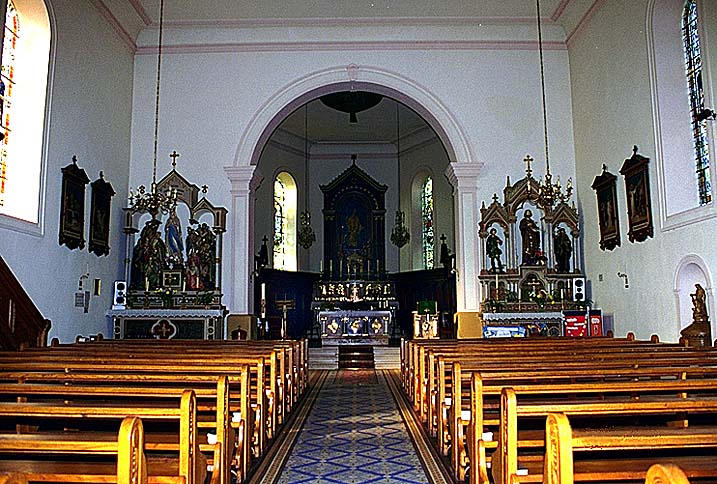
(354, 434)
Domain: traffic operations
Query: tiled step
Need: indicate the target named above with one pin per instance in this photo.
(325, 358)
(387, 358)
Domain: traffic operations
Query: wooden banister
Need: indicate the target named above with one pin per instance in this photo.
(21, 324)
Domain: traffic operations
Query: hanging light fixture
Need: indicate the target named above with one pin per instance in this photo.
(549, 192)
(152, 200)
(306, 233)
(400, 234)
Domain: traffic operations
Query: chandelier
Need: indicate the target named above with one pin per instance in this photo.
(153, 201)
(400, 235)
(549, 192)
(306, 235)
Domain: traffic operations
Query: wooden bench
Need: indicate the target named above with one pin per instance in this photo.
(187, 465)
(212, 410)
(131, 462)
(562, 442)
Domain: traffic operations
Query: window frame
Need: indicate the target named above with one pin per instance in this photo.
(9, 222)
(657, 59)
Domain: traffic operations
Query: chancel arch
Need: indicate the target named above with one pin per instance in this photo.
(353, 172)
(461, 172)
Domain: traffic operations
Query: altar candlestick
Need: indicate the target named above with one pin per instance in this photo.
(146, 284)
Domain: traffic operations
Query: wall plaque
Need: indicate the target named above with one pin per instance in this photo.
(605, 186)
(72, 206)
(637, 191)
(100, 210)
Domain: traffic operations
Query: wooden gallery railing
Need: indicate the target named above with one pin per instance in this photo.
(21, 324)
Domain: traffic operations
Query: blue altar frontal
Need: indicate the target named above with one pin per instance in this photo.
(340, 325)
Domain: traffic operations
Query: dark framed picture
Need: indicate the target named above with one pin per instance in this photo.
(100, 210)
(605, 186)
(637, 193)
(72, 206)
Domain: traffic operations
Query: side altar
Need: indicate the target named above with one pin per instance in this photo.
(174, 281)
(530, 245)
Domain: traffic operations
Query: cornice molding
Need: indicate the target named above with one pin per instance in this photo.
(583, 21)
(352, 22)
(141, 12)
(318, 46)
(115, 24)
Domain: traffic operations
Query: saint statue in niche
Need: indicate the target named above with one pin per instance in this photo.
(530, 234)
(563, 247)
(493, 243)
(148, 258)
(201, 254)
(173, 239)
(699, 306)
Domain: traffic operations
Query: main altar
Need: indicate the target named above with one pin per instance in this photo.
(173, 282)
(530, 245)
(353, 300)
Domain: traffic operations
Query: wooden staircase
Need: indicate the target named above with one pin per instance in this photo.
(354, 357)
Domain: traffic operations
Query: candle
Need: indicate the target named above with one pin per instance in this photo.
(184, 285)
(263, 290)
(562, 296)
(496, 286)
(146, 283)
(321, 265)
(331, 267)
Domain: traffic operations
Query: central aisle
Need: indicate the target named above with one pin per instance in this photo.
(354, 434)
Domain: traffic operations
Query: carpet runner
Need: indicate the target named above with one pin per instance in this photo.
(354, 434)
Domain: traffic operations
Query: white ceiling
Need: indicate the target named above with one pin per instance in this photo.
(375, 125)
(203, 10)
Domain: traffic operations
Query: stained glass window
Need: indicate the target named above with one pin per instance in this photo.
(427, 223)
(693, 62)
(285, 198)
(7, 83)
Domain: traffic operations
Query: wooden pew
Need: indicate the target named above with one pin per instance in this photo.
(562, 442)
(189, 465)
(509, 443)
(212, 402)
(665, 474)
(131, 463)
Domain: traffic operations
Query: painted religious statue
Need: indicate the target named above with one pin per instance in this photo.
(563, 249)
(698, 333)
(530, 234)
(173, 239)
(148, 258)
(201, 249)
(493, 243)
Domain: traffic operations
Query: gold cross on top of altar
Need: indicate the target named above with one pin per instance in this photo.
(174, 155)
(528, 160)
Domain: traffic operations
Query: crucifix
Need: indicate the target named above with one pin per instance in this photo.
(285, 305)
(528, 160)
(174, 155)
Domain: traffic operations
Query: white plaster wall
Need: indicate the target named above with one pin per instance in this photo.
(89, 117)
(219, 79)
(612, 111)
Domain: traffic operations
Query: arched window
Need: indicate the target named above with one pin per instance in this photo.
(285, 201)
(693, 62)
(24, 75)
(427, 238)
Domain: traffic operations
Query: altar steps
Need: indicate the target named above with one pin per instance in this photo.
(353, 357)
(324, 358)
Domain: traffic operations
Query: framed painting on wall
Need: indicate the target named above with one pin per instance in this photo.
(605, 186)
(100, 210)
(72, 206)
(637, 191)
